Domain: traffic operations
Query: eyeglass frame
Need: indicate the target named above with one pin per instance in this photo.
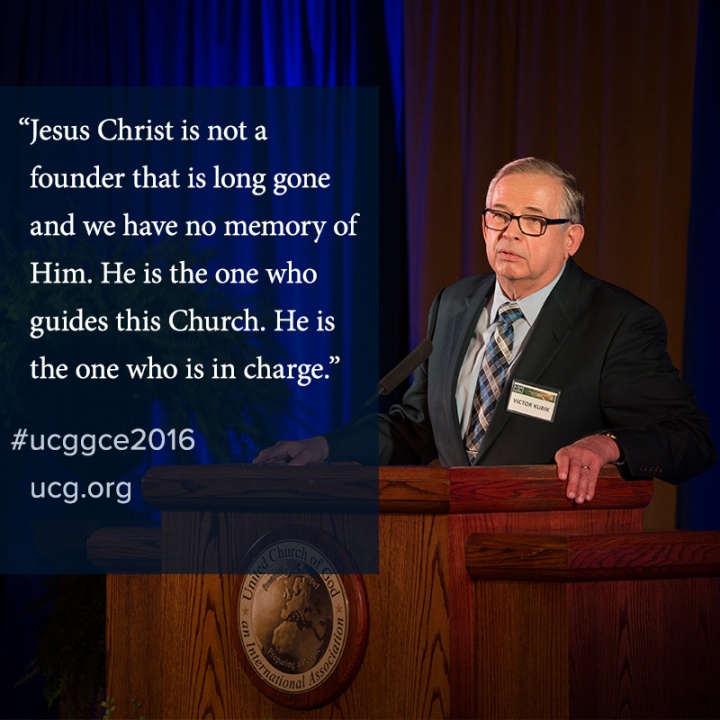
(548, 221)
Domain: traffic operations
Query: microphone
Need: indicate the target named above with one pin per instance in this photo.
(388, 383)
(404, 368)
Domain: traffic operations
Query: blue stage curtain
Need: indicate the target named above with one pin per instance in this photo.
(699, 501)
(211, 43)
(237, 43)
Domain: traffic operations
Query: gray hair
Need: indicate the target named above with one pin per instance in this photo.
(573, 197)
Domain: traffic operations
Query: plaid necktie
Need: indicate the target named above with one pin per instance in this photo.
(491, 377)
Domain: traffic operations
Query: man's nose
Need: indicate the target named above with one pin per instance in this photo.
(513, 229)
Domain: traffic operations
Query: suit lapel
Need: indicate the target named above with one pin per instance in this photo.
(461, 327)
(465, 322)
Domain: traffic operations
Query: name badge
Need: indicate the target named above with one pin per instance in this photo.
(533, 400)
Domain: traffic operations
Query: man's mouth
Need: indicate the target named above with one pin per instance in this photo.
(508, 255)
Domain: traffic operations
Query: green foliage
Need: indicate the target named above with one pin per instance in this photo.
(71, 645)
(110, 707)
(216, 406)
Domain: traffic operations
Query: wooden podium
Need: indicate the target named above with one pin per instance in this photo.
(496, 597)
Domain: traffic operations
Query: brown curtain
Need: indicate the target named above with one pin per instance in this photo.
(605, 89)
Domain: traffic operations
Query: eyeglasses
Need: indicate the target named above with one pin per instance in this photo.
(529, 224)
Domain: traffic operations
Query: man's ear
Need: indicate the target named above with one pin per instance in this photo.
(574, 238)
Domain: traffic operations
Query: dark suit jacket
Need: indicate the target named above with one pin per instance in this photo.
(605, 351)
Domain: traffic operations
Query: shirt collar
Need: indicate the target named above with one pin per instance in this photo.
(530, 305)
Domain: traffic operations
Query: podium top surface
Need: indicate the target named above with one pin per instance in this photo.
(392, 489)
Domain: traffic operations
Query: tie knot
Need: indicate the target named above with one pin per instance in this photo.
(509, 313)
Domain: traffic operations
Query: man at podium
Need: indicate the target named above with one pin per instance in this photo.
(537, 362)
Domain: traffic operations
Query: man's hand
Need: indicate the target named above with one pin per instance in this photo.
(580, 464)
(295, 452)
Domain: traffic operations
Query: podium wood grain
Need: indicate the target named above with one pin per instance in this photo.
(512, 660)
(645, 649)
(133, 643)
(496, 597)
(189, 667)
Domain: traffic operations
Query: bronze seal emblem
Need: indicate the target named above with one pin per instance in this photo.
(296, 618)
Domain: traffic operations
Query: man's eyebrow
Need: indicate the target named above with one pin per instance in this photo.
(530, 208)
